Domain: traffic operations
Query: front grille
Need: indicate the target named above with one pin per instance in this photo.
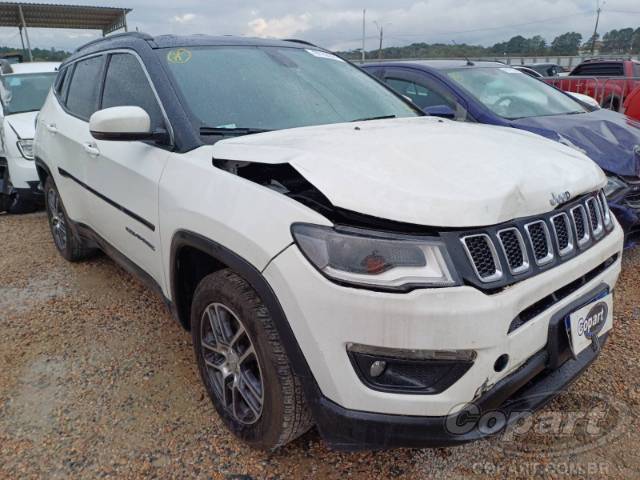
(547, 240)
(483, 256)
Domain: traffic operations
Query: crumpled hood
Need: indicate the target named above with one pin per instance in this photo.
(23, 123)
(425, 170)
(612, 140)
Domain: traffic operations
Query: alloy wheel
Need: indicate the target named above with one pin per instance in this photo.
(231, 362)
(57, 219)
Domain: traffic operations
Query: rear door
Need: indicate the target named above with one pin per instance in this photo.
(125, 174)
(66, 133)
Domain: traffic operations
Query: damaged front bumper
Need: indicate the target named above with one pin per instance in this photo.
(626, 207)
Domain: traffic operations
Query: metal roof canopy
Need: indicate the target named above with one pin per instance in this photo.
(42, 15)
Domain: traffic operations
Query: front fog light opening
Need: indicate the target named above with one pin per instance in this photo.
(426, 372)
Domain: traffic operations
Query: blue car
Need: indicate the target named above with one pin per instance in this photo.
(496, 94)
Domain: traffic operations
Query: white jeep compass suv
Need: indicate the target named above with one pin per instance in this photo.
(339, 258)
(23, 90)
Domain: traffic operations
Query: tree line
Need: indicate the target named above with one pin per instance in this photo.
(39, 54)
(625, 41)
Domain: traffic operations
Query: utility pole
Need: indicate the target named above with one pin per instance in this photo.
(595, 30)
(381, 30)
(364, 14)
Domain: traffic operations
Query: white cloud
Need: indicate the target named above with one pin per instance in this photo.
(185, 18)
(280, 27)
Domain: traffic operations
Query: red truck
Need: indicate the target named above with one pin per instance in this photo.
(608, 80)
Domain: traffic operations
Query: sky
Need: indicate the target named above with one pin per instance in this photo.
(337, 24)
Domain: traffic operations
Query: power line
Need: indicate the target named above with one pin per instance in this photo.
(513, 25)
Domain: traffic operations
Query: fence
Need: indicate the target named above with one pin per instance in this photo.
(608, 92)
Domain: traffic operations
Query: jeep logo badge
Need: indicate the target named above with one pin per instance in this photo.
(559, 198)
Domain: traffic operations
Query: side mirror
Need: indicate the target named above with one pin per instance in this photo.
(122, 124)
(443, 111)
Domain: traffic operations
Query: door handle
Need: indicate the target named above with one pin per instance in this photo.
(51, 127)
(91, 149)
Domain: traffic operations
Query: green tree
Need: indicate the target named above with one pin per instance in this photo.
(566, 44)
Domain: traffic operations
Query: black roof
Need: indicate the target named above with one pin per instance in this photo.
(128, 39)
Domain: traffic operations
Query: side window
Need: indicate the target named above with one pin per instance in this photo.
(61, 80)
(84, 88)
(127, 85)
(426, 94)
(636, 70)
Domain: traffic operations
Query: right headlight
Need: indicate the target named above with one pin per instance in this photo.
(25, 146)
(376, 259)
(614, 185)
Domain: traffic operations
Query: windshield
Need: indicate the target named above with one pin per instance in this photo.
(512, 94)
(270, 88)
(25, 92)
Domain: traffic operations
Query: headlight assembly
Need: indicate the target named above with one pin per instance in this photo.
(375, 259)
(614, 185)
(25, 145)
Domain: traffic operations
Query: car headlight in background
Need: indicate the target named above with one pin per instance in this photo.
(376, 259)
(614, 185)
(25, 145)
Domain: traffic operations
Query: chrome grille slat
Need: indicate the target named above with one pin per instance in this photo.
(604, 205)
(540, 241)
(483, 256)
(595, 217)
(579, 216)
(514, 250)
(562, 233)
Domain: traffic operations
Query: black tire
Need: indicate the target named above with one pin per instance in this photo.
(19, 205)
(284, 414)
(70, 246)
(5, 202)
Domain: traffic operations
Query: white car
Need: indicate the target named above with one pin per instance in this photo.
(23, 90)
(340, 259)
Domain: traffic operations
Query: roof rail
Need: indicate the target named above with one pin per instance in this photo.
(297, 40)
(606, 59)
(140, 35)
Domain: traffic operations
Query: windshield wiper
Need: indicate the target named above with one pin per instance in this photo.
(234, 131)
(366, 119)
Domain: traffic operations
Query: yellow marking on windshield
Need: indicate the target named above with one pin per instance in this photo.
(179, 55)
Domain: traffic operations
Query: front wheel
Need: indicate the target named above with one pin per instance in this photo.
(243, 364)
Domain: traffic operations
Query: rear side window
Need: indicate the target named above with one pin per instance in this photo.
(636, 70)
(84, 88)
(61, 80)
(603, 69)
(127, 85)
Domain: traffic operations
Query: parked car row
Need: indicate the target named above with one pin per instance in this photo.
(23, 89)
(312, 226)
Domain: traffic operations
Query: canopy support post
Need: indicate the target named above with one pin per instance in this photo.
(26, 33)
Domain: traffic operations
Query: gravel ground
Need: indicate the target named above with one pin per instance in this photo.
(97, 380)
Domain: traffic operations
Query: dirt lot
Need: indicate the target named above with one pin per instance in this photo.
(97, 380)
